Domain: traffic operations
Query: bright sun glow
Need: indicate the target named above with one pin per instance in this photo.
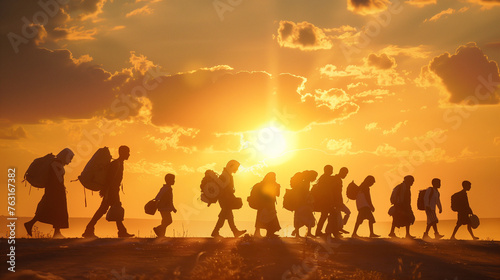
(270, 142)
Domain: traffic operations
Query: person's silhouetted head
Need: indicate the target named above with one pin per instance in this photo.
(170, 179)
(436, 183)
(232, 166)
(124, 152)
(409, 180)
(270, 177)
(65, 156)
(328, 169)
(369, 181)
(343, 172)
(466, 185)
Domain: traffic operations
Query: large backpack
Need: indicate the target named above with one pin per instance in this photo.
(38, 171)
(396, 194)
(352, 191)
(210, 190)
(455, 202)
(421, 198)
(291, 199)
(93, 176)
(255, 198)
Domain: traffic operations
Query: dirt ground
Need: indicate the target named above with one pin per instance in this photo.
(250, 258)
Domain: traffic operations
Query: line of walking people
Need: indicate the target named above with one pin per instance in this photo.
(325, 196)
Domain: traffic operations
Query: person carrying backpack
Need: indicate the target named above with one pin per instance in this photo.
(335, 222)
(267, 190)
(401, 211)
(365, 207)
(111, 195)
(53, 207)
(165, 199)
(431, 200)
(303, 216)
(226, 200)
(463, 209)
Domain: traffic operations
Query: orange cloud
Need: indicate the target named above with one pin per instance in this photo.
(223, 100)
(468, 75)
(12, 133)
(146, 10)
(445, 13)
(303, 35)
(486, 4)
(382, 61)
(379, 67)
(367, 7)
(43, 84)
(420, 3)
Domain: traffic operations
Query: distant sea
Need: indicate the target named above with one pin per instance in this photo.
(488, 230)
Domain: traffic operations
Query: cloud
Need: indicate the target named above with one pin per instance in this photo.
(40, 84)
(367, 7)
(340, 146)
(173, 138)
(372, 126)
(12, 133)
(146, 10)
(302, 35)
(493, 45)
(219, 100)
(379, 67)
(421, 3)
(382, 61)
(486, 4)
(395, 128)
(445, 13)
(75, 33)
(413, 51)
(150, 168)
(54, 19)
(468, 76)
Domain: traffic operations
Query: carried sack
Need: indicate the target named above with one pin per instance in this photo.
(210, 190)
(256, 197)
(395, 195)
(116, 213)
(236, 203)
(291, 199)
(38, 171)
(151, 207)
(421, 198)
(352, 191)
(474, 221)
(455, 202)
(93, 176)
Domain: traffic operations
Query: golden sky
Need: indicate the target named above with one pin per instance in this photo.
(385, 88)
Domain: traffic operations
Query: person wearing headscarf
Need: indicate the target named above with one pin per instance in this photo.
(53, 207)
(267, 218)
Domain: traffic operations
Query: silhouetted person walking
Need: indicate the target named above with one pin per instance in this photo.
(401, 211)
(165, 198)
(303, 216)
(226, 200)
(111, 194)
(53, 207)
(464, 210)
(321, 200)
(335, 221)
(267, 218)
(365, 207)
(431, 200)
